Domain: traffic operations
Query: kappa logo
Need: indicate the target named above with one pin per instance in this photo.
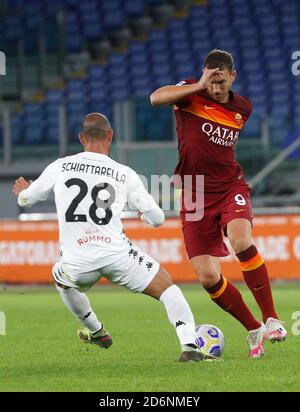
(87, 315)
(179, 323)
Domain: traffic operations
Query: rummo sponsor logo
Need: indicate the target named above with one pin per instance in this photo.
(2, 64)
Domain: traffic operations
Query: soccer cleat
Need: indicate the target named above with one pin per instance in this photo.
(275, 330)
(256, 340)
(194, 354)
(102, 338)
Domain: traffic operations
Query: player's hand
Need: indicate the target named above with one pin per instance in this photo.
(21, 184)
(207, 76)
(139, 214)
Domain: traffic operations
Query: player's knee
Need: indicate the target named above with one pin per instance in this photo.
(207, 276)
(240, 244)
(61, 288)
(161, 282)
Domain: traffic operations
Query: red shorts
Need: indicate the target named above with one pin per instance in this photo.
(204, 236)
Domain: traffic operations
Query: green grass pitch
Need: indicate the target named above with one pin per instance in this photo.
(41, 352)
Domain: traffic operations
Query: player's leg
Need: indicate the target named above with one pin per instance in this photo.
(138, 272)
(179, 313)
(204, 244)
(229, 298)
(222, 291)
(239, 232)
(79, 305)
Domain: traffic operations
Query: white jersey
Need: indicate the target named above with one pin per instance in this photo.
(91, 191)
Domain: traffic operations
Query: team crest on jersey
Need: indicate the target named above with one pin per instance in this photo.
(238, 118)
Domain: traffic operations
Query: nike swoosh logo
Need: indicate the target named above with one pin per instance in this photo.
(209, 107)
(259, 288)
(240, 210)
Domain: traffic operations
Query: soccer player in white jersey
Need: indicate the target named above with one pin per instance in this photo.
(91, 190)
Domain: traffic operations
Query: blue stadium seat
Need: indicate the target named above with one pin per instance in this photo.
(117, 59)
(180, 45)
(134, 8)
(220, 12)
(182, 56)
(157, 35)
(177, 25)
(157, 59)
(279, 127)
(113, 20)
(52, 134)
(261, 34)
(96, 72)
(88, 7)
(17, 128)
(160, 47)
(92, 29)
(34, 133)
(136, 71)
(117, 72)
(141, 87)
(184, 71)
(51, 108)
(55, 96)
(163, 80)
(52, 7)
(137, 59)
(119, 94)
(252, 127)
(153, 3)
(75, 85)
(97, 89)
(72, 3)
(34, 21)
(290, 138)
(73, 42)
(100, 107)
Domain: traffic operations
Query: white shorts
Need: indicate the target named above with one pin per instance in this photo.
(134, 270)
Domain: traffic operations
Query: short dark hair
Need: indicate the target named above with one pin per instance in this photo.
(94, 132)
(219, 58)
(95, 126)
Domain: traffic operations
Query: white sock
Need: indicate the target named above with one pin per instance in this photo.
(79, 305)
(179, 314)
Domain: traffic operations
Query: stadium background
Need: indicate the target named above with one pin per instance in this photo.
(66, 58)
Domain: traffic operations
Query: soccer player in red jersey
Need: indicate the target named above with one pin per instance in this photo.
(209, 118)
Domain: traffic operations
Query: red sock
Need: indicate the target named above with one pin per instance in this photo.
(257, 279)
(228, 297)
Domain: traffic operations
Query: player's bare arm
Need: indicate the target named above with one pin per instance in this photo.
(171, 94)
(20, 185)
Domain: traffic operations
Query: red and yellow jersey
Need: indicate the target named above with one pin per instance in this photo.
(207, 134)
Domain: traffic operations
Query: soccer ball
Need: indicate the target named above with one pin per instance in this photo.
(210, 339)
